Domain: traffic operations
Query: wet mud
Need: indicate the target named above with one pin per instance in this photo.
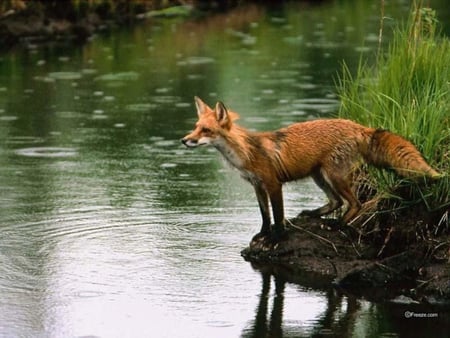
(381, 265)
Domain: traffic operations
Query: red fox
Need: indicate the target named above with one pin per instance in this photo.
(327, 150)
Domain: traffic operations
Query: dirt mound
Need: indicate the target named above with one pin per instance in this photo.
(382, 263)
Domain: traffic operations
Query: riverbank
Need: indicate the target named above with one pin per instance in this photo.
(399, 245)
(384, 264)
(36, 21)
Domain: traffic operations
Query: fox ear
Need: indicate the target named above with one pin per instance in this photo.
(202, 107)
(221, 113)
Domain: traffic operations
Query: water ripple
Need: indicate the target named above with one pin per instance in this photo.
(53, 152)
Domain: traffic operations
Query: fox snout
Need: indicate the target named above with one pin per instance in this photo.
(189, 142)
(195, 139)
(193, 142)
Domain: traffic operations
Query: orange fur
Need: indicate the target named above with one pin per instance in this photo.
(327, 150)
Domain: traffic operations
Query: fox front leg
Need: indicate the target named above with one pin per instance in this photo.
(263, 202)
(276, 199)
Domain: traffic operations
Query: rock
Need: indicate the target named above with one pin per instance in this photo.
(353, 262)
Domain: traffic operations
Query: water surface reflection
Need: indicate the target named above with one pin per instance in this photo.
(110, 228)
(309, 308)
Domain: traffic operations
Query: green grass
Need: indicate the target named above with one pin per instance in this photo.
(407, 92)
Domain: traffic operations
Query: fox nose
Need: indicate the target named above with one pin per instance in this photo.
(186, 142)
(189, 143)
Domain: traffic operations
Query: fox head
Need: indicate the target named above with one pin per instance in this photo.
(211, 126)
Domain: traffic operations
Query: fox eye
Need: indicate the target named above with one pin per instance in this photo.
(206, 130)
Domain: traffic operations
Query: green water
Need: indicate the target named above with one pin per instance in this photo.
(111, 228)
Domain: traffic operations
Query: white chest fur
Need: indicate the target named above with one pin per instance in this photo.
(236, 161)
(230, 154)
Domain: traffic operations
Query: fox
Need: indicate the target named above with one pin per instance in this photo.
(325, 149)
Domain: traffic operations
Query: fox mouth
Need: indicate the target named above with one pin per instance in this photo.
(192, 144)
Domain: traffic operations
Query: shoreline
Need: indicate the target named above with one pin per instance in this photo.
(337, 258)
(35, 22)
(30, 22)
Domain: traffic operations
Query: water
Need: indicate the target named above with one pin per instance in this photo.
(110, 228)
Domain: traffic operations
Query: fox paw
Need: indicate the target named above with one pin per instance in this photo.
(332, 224)
(267, 241)
(308, 213)
(260, 239)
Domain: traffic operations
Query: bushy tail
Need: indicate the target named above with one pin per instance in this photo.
(385, 149)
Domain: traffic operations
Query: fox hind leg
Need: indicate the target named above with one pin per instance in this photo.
(334, 198)
(341, 186)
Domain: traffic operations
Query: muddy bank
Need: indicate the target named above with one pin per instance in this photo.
(38, 21)
(372, 265)
(65, 20)
(34, 22)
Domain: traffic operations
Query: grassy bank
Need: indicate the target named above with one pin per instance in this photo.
(400, 244)
(407, 91)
